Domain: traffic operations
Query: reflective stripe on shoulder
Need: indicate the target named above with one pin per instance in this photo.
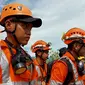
(0, 66)
(5, 68)
(52, 82)
(38, 70)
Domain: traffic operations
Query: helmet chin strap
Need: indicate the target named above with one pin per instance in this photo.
(13, 33)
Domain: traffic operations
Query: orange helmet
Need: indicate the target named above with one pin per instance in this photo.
(16, 9)
(74, 34)
(40, 45)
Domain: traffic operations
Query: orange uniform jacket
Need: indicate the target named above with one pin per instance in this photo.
(38, 75)
(60, 70)
(7, 76)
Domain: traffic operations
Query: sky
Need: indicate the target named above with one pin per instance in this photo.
(58, 16)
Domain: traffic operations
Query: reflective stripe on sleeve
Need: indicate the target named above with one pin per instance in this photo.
(5, 68)
(52, 82)
(0, 66)
(16, 83)
(38, 70)
(77, 83)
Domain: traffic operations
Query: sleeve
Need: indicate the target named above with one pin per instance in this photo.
(58, 73)
(0, 74)
(0, 67)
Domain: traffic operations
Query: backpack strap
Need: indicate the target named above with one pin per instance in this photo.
(69, 76)
(49, 67)
(71, 70)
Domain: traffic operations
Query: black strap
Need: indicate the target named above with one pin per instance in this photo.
(70, 71)
(28, 57)
(49, 67)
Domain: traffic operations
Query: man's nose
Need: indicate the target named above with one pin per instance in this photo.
(28, 32)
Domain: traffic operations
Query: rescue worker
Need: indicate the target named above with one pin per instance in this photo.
(18, 21)
(61, 52)
(41, 50)
(82, 58)
(75, 40)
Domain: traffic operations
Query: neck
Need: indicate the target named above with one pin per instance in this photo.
(73, 53)
(11, 39)
(40, 61)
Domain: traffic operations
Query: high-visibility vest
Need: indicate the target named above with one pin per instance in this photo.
(38, 75)
(62, 69)
(7, 76)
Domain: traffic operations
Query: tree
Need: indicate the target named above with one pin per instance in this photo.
(53, 55)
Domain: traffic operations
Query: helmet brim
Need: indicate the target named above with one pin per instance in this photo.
(36, 22)
(46, 48)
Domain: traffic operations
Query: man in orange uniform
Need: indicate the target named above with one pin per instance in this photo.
(82, 58)
(75, 39)
(41, 50)
(18, 22)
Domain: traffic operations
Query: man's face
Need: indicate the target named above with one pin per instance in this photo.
(82, 50)
(23, 32)
(45, 54)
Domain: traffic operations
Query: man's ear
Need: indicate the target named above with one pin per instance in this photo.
(9, 26)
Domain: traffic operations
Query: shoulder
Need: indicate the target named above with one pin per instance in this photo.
(60, 67)
(60, 62)
(59, 71)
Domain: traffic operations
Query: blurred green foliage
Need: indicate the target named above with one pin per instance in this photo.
(53, 55)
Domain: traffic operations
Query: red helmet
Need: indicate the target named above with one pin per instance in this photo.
(73, 34)
(40, 45)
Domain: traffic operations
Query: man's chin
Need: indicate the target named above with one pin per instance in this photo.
(25, 43)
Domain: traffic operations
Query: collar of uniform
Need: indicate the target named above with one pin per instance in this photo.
(35, 62)
(45, 68)
(4, 45)
(69, 56)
